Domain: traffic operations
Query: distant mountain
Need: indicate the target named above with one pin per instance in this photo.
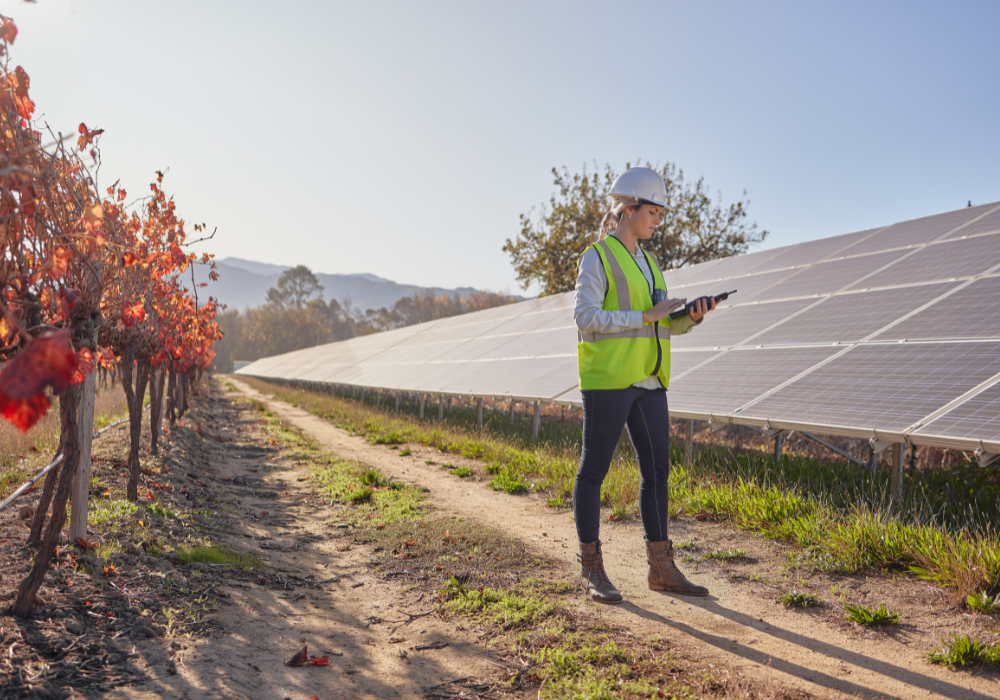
(244, 283)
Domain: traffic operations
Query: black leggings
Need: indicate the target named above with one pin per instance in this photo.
(605, 413)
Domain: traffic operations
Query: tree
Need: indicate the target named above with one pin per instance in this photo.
(296, 287)
(694, 229)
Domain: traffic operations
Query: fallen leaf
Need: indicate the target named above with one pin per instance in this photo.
(300, 657)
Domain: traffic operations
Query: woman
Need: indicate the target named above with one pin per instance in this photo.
(624, 355)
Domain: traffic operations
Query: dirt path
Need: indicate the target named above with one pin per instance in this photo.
(316, 591)
(747, 634)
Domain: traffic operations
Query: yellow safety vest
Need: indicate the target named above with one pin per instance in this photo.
(619, 360)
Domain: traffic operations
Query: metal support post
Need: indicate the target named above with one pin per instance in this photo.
(449, 403)
(479, 406)
(364, 394)
(538, 420)
(689, 443)
(898, 450)
(512, 410)
(441, 408)
(378, 399)
(422, 399)
(397, 402)
(779, 446)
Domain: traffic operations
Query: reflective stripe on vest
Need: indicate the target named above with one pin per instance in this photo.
(621, 282)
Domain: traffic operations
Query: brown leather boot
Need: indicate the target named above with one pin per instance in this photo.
(663, 572)
(595, 580)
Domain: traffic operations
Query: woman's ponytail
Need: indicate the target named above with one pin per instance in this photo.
(611, 220)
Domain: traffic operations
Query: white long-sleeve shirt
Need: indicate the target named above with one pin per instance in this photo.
(590, 316)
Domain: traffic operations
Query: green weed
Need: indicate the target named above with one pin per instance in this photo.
(219, 556)
(725, 554)
(362, 495)
(462, 471)
(405, 452)
(863, 615)
(509, 481)
(162, 511)
(798, 599)
(103, 510)
(966, 651)
(983, 603)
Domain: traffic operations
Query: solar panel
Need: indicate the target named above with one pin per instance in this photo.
(813, 251)
(990, 223)
(971, 312)
(976, 419)
(737, 323)
(876, 331)
(965, 257)
(732, 379)
(916, 231)
(882, 387)
(827, 277)
(849, 318)
(746, 286)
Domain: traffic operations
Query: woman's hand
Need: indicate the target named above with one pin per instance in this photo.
(700, 308)
(662, 310)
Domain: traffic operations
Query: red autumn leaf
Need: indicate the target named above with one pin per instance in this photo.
(320, 660)
(121, 195)
(18, 83)
(264, 512)
(8, 32)
(133, 314)
(46, 359)
(60, 262)
(23, 413)
(85, 544)
(128, 260)
(84, 365)
(300, 658)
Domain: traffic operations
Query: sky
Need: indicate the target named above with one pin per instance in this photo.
(404, 139)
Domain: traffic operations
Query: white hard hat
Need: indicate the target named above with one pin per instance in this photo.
(643, 184)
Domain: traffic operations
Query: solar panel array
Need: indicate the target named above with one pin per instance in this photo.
(892, 333)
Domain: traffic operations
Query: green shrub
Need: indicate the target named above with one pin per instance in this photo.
(798, 599)
(966, 651)
(509, 481)
(362, 495)
(983, 603)
(863, 615)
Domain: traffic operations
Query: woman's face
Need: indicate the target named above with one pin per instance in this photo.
(644, 220)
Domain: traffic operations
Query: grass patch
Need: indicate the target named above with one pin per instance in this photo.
(725, 554)
(219, 556)
(506, 609)
(509, 481)
(104, 510)
(863, 615)
(966, 652)
(370, 493)
(798, 599)
(163, 511)
(405, 452)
